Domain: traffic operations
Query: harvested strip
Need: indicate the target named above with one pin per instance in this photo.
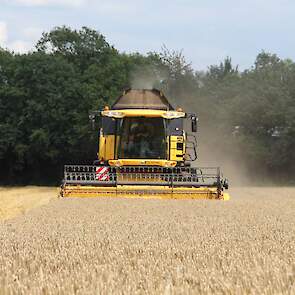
(17, 201)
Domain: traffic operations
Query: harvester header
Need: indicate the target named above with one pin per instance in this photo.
(144, 151)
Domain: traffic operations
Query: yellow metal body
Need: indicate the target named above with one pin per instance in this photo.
(107, 143)
(176, 147)
(143, 192)
(106, 147)
(176, 154)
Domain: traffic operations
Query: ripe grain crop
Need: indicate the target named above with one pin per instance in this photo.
(133, 246)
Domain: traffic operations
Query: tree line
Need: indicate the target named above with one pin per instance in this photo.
(46, 96)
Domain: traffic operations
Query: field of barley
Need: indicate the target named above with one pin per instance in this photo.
(136, 246)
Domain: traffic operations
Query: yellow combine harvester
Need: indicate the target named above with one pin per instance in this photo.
(144, 151)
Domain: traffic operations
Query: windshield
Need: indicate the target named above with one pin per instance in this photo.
(142, 138)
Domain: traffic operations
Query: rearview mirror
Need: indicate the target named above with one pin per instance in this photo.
(92, 121)
(194, 123)
(94, 118)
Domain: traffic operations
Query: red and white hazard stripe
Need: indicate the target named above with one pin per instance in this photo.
(102, 173)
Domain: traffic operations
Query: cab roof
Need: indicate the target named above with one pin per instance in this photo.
(151, 99)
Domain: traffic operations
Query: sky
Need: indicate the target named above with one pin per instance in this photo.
(206, 31)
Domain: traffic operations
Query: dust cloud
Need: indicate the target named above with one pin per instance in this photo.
(215, 155)
(217, 149)
(147, 77)
(213, 149)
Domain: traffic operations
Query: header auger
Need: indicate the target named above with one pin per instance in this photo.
(144, 152)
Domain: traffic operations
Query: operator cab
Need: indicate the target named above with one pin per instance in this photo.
(142, 138)
(142, 128)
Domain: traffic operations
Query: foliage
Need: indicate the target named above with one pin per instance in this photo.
(46, 95)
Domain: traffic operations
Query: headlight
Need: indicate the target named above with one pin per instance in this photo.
(173, 115)
(113, 114)
(170, 164)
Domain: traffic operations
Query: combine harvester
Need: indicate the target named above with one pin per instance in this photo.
(144, 152)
